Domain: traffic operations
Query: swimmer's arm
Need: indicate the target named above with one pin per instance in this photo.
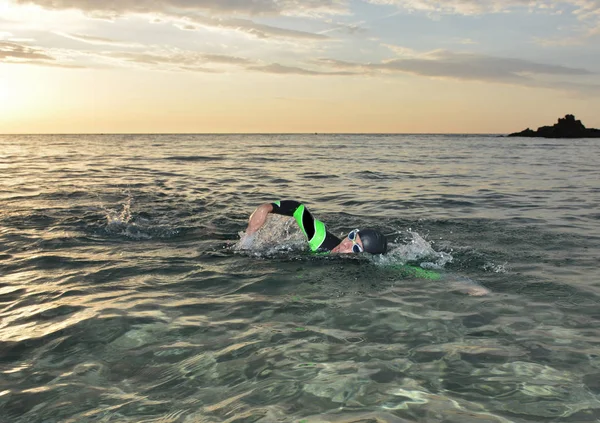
(258, 218)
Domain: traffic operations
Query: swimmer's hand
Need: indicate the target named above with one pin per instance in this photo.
(247, 241)
(467, 286)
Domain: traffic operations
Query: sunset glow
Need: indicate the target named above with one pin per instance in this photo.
(489, 66)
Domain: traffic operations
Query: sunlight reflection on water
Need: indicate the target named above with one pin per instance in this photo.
(129, 293)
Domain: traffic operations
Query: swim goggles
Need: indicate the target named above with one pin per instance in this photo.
(352, 237)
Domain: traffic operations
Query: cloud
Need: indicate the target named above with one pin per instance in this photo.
(88, 39)
(193, 14)
(227, 60)
(341, 64)
(14, 53)
(158, 59)
(219, 7)
(444, 63)
(469, 67)
(249, 27)
(477, 7)
(276, 68)
(583, 35)
(474, 67)
(224, 14)
(586, 89)
(180, 60)
(199, 62)
(464, 41)
(401, 51)
(201, 69)
(587, 11)
(53, 64)
(10, 51)
(352, 29)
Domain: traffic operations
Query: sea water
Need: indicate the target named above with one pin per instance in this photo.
(128, 295)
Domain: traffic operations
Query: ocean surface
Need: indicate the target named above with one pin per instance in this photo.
(127, 296)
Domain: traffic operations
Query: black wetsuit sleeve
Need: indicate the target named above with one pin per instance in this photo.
(285, 207)
(331, 241)
(289, 207)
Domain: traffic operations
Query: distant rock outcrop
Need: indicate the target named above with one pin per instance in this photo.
(566, 127)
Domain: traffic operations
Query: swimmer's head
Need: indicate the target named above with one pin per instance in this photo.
(359, 240)
(373, 241)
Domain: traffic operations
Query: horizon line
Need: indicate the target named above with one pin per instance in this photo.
(254, 133)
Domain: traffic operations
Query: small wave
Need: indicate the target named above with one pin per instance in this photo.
(316, 175)
(194, 158)
(367, 174)
(135, 226)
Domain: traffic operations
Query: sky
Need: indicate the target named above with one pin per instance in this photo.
(297, 66)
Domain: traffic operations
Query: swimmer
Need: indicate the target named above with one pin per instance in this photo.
(357, 241)
(318, 237)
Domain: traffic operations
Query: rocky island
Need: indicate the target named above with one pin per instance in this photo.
(566, 127)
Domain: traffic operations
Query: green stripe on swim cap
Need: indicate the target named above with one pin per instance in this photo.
(320, 232)
(278, 203)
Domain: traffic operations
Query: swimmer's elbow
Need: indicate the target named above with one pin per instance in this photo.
(258, 218)
(266, 207)
(263, 209)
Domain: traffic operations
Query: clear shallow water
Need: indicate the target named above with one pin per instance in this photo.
(123, 298)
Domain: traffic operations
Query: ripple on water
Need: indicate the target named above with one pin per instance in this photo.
(121, 299)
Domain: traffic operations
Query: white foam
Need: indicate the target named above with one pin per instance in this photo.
(279, 233)
(495, 268)
(417, 249)
(123, 222)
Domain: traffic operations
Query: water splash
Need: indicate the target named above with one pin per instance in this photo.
(411, 248)
(137, 226)
(282, 234)
(414, 249)
(119, 218)
(495, 268)
(278, 234)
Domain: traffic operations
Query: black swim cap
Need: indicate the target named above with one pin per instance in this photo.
(373, 241)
